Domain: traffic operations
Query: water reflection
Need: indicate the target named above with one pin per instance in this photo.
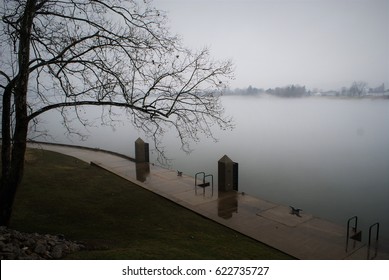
(201, 190)
(227, 204)
(142, 171)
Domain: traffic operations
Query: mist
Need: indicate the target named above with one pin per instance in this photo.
(318, 43)
(328, 156)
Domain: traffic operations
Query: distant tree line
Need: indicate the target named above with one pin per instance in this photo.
(379, 89)
(356, 89)
(288, 91)
(244, 91)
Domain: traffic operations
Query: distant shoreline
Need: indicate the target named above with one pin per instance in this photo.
(341, 97)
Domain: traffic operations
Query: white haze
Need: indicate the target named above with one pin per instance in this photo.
(329, 157)
(323, 44)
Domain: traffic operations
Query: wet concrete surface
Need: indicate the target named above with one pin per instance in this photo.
(302, 236)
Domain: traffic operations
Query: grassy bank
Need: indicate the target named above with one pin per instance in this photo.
(117, 219)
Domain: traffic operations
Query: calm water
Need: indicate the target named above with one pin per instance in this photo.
(329, 157)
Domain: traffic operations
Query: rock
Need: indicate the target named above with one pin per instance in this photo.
(17, 245)
(56, 253)
(7, 248)
(40, 248)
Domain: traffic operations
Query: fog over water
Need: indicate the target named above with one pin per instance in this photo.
(329, 157)
(317, 43)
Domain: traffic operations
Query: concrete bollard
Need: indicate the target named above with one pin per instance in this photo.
(141, 151)
(227, 174)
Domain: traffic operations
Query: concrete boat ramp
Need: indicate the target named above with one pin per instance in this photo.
(302, 236)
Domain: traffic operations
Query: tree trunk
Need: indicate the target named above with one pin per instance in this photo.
(13, 157)
(14, 171)
(6, 133)
(5, 207)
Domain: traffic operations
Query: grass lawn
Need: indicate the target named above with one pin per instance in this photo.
(117, 219)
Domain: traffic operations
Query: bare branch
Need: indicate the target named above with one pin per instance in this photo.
(117, 53)
(91, 103)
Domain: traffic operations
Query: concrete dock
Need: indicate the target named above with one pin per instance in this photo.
(304, 237)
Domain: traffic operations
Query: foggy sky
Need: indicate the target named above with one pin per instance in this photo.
(325, 44)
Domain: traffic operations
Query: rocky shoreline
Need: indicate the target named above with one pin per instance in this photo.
(15, 245)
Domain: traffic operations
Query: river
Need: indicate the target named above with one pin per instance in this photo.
(327, 156)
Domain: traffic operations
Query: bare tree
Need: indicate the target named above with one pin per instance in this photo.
(58, 54)
(358, 89)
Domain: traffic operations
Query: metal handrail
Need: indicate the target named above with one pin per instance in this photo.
(376, 240)
(204, 184)
(210, 175)
(348, 229)
(198, 174)
(378, 229)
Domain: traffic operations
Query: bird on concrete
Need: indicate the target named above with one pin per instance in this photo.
(295, 211)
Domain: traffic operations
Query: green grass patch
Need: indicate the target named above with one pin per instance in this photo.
(117, 219)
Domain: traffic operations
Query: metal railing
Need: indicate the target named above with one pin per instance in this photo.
(377, 225)
(356, 235)
(203, 183)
